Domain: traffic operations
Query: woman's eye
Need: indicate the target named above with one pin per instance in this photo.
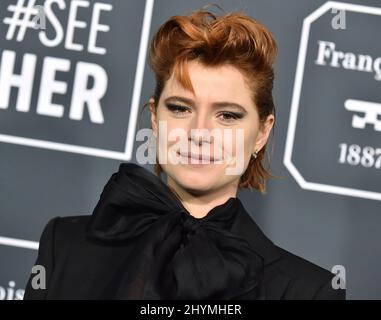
(177, 109)
(180, 110)
(230, 116)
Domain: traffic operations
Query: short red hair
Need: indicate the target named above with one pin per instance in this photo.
(234, 39)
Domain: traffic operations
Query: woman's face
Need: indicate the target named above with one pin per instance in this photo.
(220, 123)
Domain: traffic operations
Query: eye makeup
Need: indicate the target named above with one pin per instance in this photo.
(180, 110)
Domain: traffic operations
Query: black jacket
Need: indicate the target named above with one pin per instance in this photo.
(78, 267)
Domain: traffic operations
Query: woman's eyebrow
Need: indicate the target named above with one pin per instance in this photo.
(178, 98)
(217, 105)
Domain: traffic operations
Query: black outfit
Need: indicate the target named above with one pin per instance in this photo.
(141, 243)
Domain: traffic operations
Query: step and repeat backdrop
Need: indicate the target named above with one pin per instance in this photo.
(74, 77)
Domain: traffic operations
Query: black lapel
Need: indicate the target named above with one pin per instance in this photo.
(244, 226)
(275, 283)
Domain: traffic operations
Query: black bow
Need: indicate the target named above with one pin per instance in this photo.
(175, 255)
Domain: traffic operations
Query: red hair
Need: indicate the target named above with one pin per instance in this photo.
(234, 39)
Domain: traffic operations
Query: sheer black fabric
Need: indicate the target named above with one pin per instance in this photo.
(174, 255)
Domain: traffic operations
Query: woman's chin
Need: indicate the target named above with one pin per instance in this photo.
(196, 180)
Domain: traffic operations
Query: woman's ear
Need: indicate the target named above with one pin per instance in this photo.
(264, 133)
(153, 111)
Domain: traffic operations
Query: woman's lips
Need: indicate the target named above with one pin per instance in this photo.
(198, 157)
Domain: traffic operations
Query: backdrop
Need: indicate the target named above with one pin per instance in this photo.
(74, 75)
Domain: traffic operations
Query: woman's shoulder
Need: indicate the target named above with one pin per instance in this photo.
(66, 239)
(295, 265)
(287, 275)
(306, 279)
(69, 232)
(69, 235)
(61, 229)
(68, 225)
(79, 221)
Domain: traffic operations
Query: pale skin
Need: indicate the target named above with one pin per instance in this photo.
(203, 187)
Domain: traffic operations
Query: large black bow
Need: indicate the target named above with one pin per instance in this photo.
(174, 255)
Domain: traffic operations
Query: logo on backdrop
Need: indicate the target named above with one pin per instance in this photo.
(71, 73)
(334, 137)
(10, 292)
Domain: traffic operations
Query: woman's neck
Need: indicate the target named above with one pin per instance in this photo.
(200, 204)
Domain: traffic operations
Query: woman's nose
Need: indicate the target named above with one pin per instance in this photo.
(201, 129)
(200, 136)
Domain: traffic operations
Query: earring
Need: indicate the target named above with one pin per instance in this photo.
(255, 154)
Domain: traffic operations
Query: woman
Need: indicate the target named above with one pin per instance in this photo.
(189, 238)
